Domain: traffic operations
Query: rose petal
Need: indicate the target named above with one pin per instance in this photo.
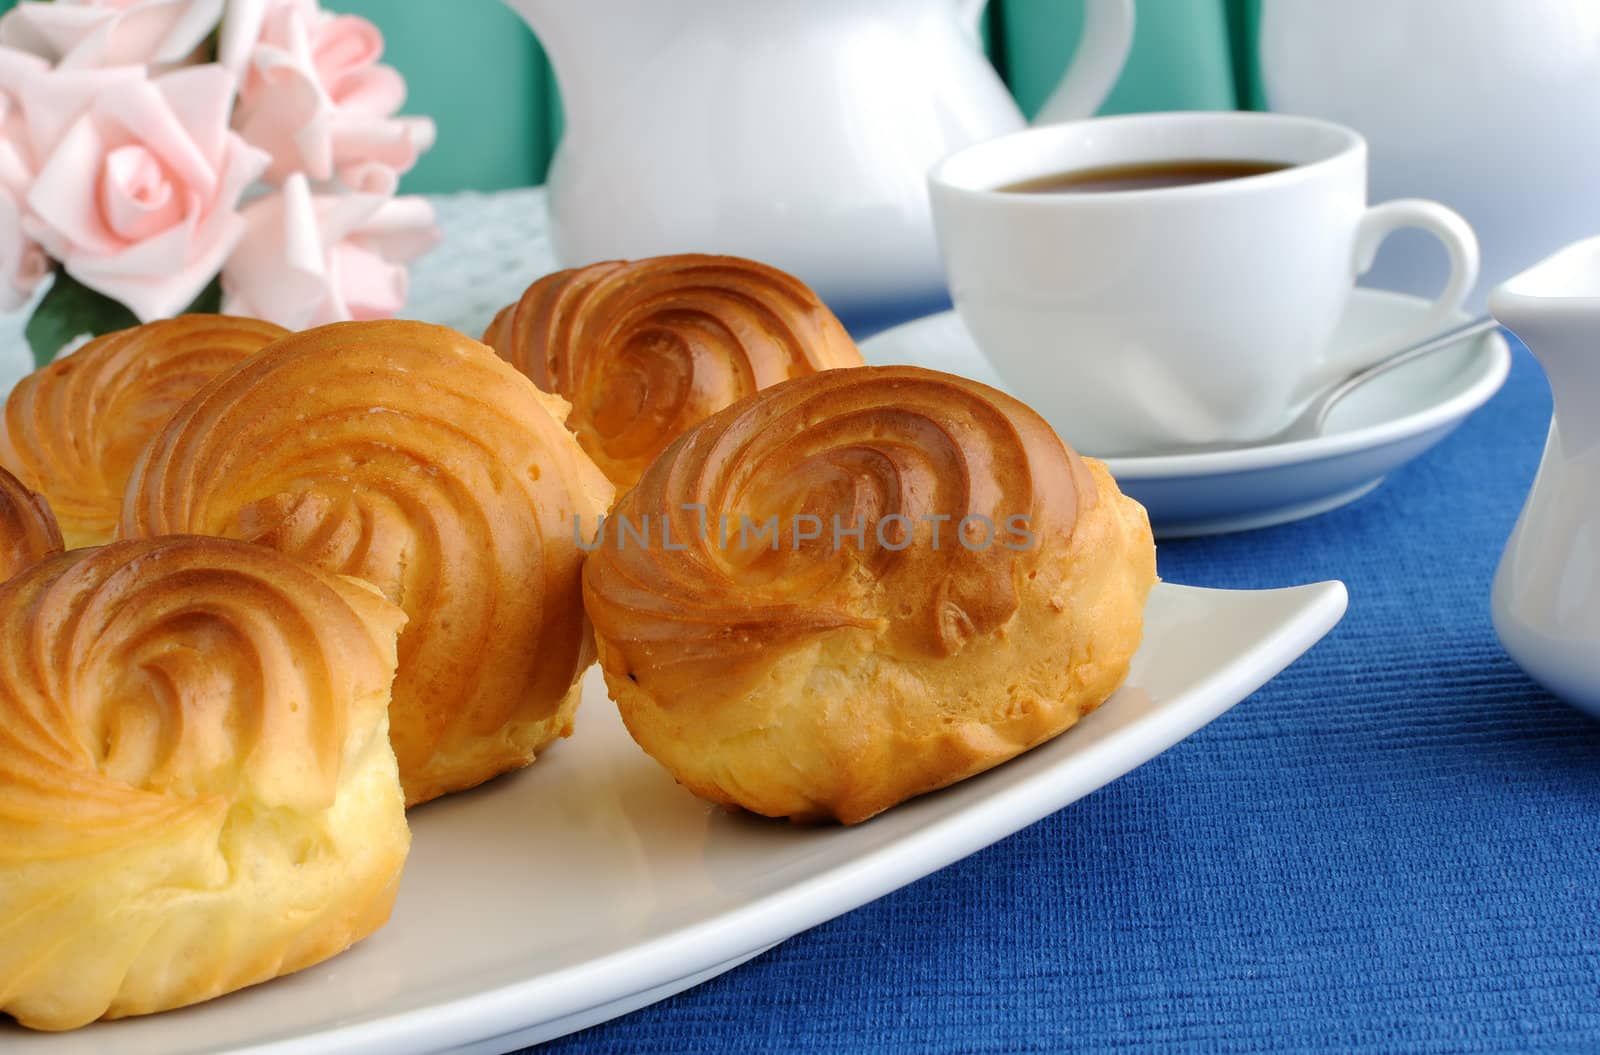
(16, 67)
(64, 195)
(79, 36)
(137, 200)
(16, 167)
(51, 30)
(163, 253)
(241, 28)
(141, 280)
(287, 120)
(32, 267)
(146, 33)
(368, 286)
(278, 271)
(202, 98)
(396, 142)
(116, 5)
(189, 27)
(22, 262)
(377, 91)
(345, 44)
(311, 146)
(370, 177)
(340, 215)
(402, 230)
(318, 101)
(143, 111)
(242, 165)
(53, 102)
(307, 259)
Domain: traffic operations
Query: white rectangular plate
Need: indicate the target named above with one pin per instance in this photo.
(591, 884)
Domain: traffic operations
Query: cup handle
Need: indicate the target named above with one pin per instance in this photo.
(1445, 224)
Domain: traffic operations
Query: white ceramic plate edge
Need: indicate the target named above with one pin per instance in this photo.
(516, 1011)
(593, 1016)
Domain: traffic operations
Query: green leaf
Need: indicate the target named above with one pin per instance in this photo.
(209, 302)
(70, 308)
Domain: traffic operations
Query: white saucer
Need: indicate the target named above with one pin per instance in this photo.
(1371, 433)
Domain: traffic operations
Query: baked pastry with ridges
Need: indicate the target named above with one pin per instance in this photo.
(414, 458)
(645, 349)
(879, 581)
(74, 428)
(196, 787)
(28, 531)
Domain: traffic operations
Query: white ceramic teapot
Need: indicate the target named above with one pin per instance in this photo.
(796, 132)
(1490, 106)
(1546, 599)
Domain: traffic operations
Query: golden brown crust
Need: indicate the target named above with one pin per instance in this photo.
(28, 531)
(414, 458)
(73, 428)
(835, 676)
(645, 349)
(196, 788)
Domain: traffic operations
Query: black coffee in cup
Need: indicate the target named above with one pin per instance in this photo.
(1148, 175)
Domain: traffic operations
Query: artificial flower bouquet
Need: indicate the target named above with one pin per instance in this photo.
(162, 156)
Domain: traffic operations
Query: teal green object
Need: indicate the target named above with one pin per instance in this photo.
(1244, 20)
(476, 69)
(1181, 59)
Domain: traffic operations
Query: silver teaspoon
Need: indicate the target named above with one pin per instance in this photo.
(1309, 422)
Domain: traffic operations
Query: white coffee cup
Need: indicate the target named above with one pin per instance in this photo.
(1144, 320)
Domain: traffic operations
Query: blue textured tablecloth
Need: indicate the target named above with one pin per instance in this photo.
(1393, 846)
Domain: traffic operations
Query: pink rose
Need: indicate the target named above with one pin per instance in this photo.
(307, 259)
(314, 95)
(18, 72)
(139, 198)
(52, 101)
(86, 34)
(22, 263)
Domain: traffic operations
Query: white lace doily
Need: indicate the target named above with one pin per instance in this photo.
(494, 245)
